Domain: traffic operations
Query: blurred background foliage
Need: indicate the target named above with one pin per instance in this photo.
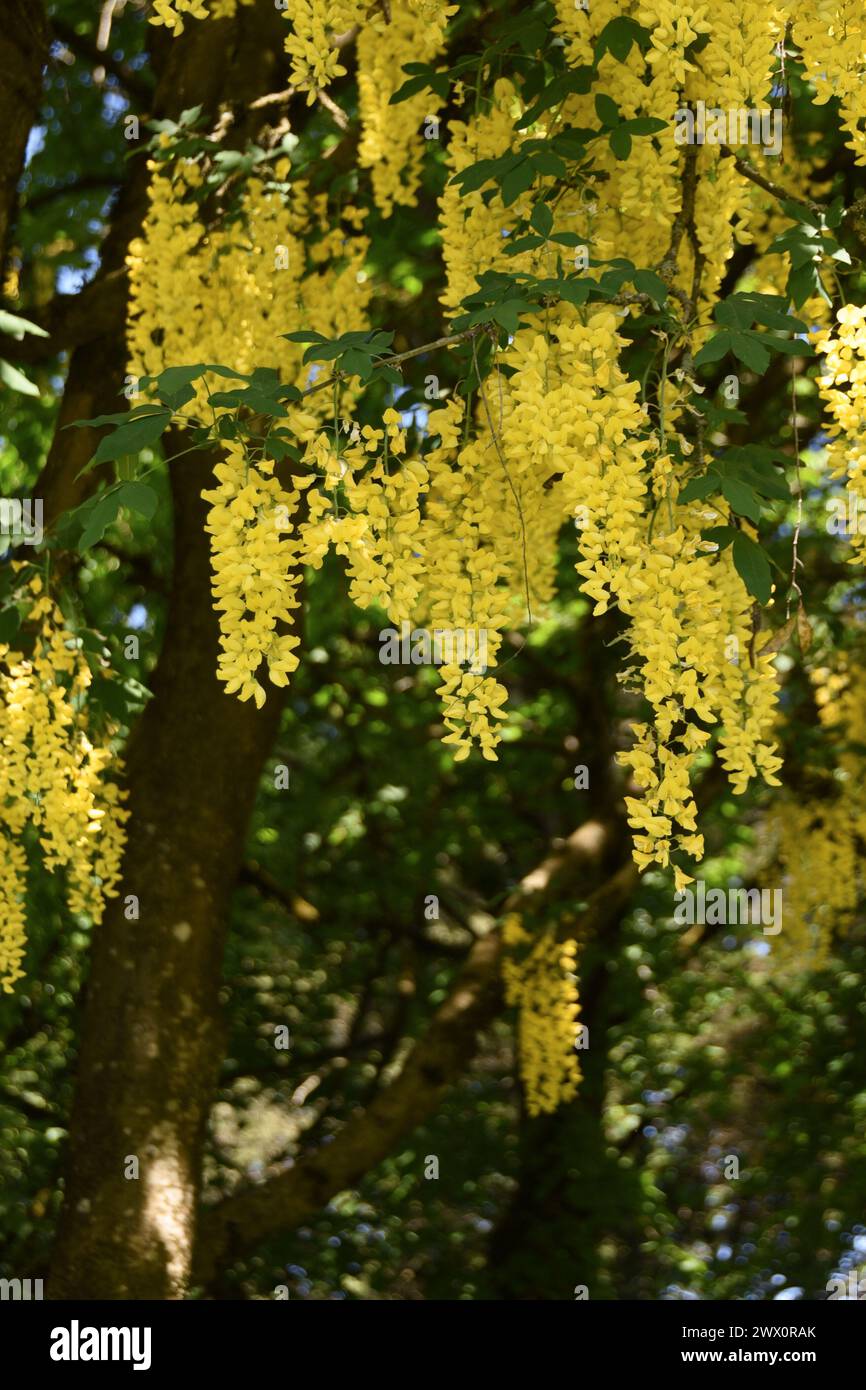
(700, 1053)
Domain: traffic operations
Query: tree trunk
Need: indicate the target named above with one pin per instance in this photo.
(23, 51)
(152, 1039)
(151, 1042)
(571, 1189)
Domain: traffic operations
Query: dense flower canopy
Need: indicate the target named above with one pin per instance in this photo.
(250, 322)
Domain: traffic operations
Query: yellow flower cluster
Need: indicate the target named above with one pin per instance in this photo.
(171, 12)
(385, 564)
(691, 630)
(539, 978)
(315, 24)
(52, 779)
(227, 295)
(737, 65)
(472, 231)
(842, 385)
(831, 37)
(465, 573)
(817, 841)
(467, 539)
(392, 140)
(633, 201)
(254, 573)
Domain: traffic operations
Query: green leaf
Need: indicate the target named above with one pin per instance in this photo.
(100, 518)
(524, 243)
(517, 181)
(578, 81)
(753, 567)
(542, 219)
(721, 536)
(696, 489)
(17, 327)
(357, 363)
(747, 348)
(644, 125)
(279, 449)
(421, 77)
(547, 163)
(575, 291)
(508, 313)
(607, 110)
(484, 171)
(108, 694)
(769, 309)
(620, 143)
(803, 282)
(733, 313)
(618, 35)
(231, 373)
(792, 346)
(754, 465)
(741, 498)
(383, 372)
(16, 380)
(647, 282)
(323, 352)
(714, 349)
(10, 621)
(138, 497)
(797, 211)
(766, 486)
(96, 420)
(571, 141)
(175, 378)
(141, 432)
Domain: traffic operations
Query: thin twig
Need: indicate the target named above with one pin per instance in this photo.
(795, 544)
(466, 336)
(517, 501)
(749, 171)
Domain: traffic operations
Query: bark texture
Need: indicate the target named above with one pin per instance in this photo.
(23, 51)
(152, 1037)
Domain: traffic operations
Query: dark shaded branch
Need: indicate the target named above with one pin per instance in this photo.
(775, 190)
(90, 183)
(242, 1221)
(23, 50)
(85, 47)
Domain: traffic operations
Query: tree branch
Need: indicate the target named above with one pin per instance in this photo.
(776, 190)
(241, 1222)
(87, 49)
(90, 183)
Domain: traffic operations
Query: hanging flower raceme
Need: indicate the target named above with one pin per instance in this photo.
(394, 138)
(254, 573)
(842, 385)
(539, 978)
(55, 786)
(311, 47)
(831, 37)
(816, 839)
(228, 295)
(385, 564)
(465, 538)
(171, 12)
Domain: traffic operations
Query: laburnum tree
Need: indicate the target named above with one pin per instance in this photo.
(532, 325)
